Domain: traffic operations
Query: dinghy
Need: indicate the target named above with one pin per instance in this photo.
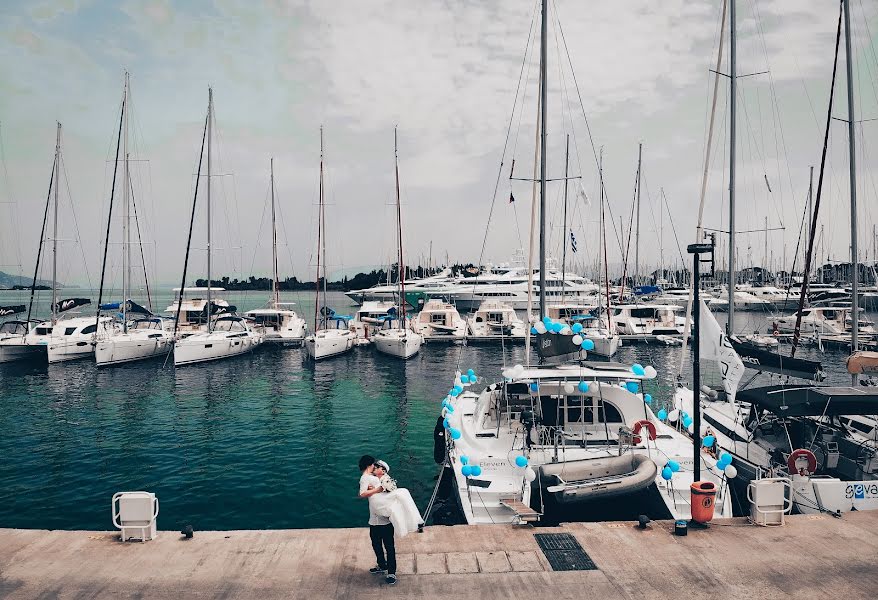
(582, 480)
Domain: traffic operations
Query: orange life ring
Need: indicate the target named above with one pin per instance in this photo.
(774, 329)
(650, 427)
(795, 455)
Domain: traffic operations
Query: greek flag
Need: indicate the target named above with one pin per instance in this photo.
(572, 242)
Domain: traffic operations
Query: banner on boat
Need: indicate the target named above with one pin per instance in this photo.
(5, 311)
(715, 346)
(70, 303)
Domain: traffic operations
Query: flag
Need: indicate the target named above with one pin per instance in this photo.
(572, 242)
(511, 198)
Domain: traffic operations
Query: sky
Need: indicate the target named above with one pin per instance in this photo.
(459, 80)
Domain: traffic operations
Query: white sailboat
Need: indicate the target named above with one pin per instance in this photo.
(150, 335)
(276, 323)
(326, 341)
(226, 335)
(400, 341)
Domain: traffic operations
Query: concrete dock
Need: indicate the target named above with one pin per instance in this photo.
(810, 557)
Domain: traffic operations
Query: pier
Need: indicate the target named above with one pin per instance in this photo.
(809, 557)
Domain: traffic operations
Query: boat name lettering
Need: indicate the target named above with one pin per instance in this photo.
(861, 490)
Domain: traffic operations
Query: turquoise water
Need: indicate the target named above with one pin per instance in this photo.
(266, 440)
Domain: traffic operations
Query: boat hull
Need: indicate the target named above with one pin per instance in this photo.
(200, 348)
(63, 351)
(320, 347)
(398, 346)
(118, 351)
(15, 350)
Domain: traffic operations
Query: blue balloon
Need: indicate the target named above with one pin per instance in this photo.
(547, 321)
(583, 386)
(533, 331)
(454, 392)
(520, 461)
(587, 344)
(473, 378)
(647, 398)
(449, 408)
(684, 414)
(725, 459)
(687, 422)
(632, 386)
(464, 460)
(476, 470)
(446, 423)
(464, 378)
(674, 465)
(708, 441)
(466, 470)
(577, 327)
(470, 372)
(455, 434)
(534, 386)
(637, 369)
(662, 414)
(667, 473)
(457, 389)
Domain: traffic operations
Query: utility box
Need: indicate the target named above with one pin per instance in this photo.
(135, 514)
(769, 500)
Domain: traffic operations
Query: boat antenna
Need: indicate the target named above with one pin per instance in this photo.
(110, 212)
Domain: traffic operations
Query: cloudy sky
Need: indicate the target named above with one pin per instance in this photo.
(448, 75)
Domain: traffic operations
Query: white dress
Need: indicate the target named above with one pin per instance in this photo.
(400, 508)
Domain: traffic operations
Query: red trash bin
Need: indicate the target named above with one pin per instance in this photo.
(703, 495)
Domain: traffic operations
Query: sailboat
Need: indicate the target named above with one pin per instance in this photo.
(400, 341)
(140, 334)
(226, 335)
(278, 324)
(326, 341)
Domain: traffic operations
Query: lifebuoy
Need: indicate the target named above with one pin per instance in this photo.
(795, 455)
(774, 329)
(650, 427)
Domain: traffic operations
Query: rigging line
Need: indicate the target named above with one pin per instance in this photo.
(497, 182)
(587, 125)
(258, 232)
(16, 223)
(110, 212)
(33, 285)
(140, 243)
(75, 223)
(191, 226)
(808, 256)
(673, 229)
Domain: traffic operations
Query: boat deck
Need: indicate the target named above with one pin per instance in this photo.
(810, 557)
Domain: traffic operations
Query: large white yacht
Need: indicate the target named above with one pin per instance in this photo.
(834, 320)
(434, 285)
(509, 285)
(73, 338)
(648, 319)
(369, 319)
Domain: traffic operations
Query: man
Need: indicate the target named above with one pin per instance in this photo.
(380, 528)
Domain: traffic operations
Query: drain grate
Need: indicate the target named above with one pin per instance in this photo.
(564, 552)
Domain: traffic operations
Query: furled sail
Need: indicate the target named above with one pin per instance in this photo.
(70, 303)
(716, 347)
(5, 311)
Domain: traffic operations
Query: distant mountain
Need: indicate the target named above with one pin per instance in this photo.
(7, 281)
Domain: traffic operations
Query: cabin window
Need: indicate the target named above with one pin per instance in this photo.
(642, 313)
(90, 329)
(861, 427)
(437, 318)
(69, 330)
(607, 413)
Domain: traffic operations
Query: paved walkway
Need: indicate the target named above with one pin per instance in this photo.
(811, 557)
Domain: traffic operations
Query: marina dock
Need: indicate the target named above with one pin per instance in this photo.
(809, 557)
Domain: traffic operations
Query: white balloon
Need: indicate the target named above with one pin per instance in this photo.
(691, 429)
(444, 412)
(649, 372)
(569, 388)
(566, 330)
(507, 373)
(577, 339)
(673, 416)
(540, 327)
(594, 387)
(530, 474)
(518, 369)
(731, 472)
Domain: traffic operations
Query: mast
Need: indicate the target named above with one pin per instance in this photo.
(319, 236)
(209, 134)
(55, 226)
(610, 326)
(402, 301)
(855, 276)
(276, 282)
(126, 220)
(637, 230)
(730, 327)
(810, 209)
(564, 236)
(543, 115)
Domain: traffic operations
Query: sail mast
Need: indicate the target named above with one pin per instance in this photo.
(55, 226)
(637, 279)
(209, 135)
(402, 300)
(730, 328)
(276, 282)
(564, 230)
(543, 115)
(126, 221)
(319, 236)
(852, 162)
